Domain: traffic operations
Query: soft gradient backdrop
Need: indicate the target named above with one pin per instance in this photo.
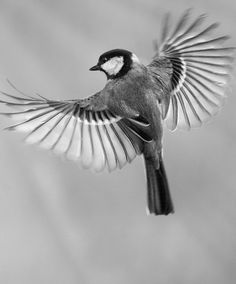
(60, 224)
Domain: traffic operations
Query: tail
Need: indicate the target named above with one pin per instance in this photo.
(158, 193)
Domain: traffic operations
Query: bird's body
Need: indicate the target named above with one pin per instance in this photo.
(183, 85)
(136, 94)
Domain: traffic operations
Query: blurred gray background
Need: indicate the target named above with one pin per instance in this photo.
(60, 224)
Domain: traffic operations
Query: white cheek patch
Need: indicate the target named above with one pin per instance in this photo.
(114, 65)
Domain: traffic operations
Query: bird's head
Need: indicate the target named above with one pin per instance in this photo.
(115, 63)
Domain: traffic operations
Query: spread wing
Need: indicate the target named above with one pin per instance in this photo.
(198, 65)
(79, 129)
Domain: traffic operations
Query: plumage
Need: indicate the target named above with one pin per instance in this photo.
(201, 68)
(184, 85)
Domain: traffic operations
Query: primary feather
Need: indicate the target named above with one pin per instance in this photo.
(199, 65)
(78, 129)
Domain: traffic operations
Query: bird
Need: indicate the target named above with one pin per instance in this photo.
(182, 87)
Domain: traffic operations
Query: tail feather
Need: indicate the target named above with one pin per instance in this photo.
(158, 193)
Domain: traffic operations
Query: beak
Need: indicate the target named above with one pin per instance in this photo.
(95, 68)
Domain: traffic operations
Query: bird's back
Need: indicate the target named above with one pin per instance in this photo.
(135, 93)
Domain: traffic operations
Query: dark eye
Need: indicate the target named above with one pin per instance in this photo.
(104, 59)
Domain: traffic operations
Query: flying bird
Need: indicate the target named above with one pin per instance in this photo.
(183, 86)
